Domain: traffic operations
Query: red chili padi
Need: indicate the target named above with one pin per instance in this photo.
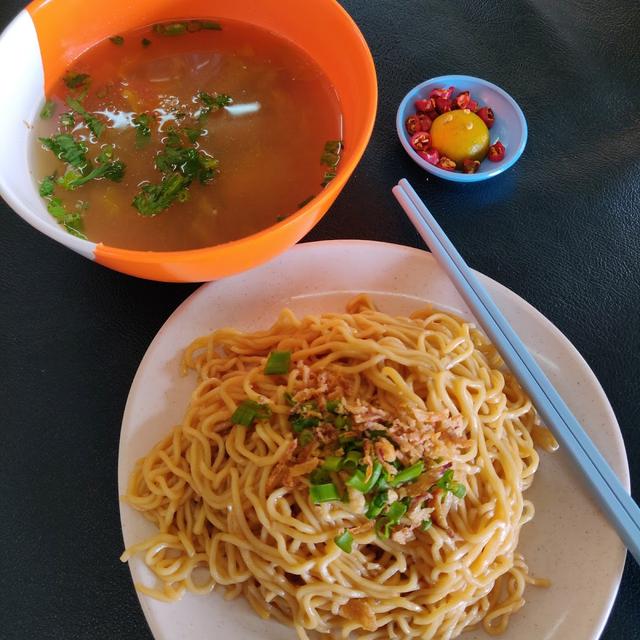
(462, 100)
(433, 114)
(443, 105)
(431, 156)
(470, 166)
(446, 163)
(472, 106)
(496, 152)
(421, 141)
(442, 93)
(412, 125)
(486, 115)
(425, 122)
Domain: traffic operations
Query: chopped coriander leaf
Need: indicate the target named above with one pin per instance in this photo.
(142, 123)
(48, 110)
(288, 398)
(328, 177)
(212, 103)
(193, 133)
(117, 40)
(324, 493)
(210, 26)
(188, 161)
(155, 198)
(408, 474)
(71, 221)
(67, 120)
(113, 171)
(331, 154)
(47, 186)
(145, 42)
(305, 202)
(358, 479)
(333, 146)
(248, 412)
(344, 540)
(171, 28)
(95, 125)
(279, 218)
(67, 149)
(278, 363)
(77, 80)
(425, 525)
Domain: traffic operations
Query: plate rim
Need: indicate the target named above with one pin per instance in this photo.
(418, 253)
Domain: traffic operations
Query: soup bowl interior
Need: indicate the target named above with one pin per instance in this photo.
(45, 39)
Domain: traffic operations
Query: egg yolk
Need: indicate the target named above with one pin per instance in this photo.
(460, 134)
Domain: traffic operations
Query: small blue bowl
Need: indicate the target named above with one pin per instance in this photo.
(510, 126)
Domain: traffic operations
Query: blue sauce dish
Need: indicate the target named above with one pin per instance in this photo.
(510, 126)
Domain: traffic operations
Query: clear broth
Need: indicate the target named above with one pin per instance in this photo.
(269, 142)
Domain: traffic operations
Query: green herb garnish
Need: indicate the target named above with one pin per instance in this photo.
(327, 178)
(67, 149)
(77, 80)
(48, 110)
(332, 463)
(248, 412)
(324, 493)
(71, 221)
(331, 154)
(396, 511)
(145, 42)
(408, 474)
(377, 504)
(305, 438)
(111, 170)
(117, 40)
(210, 26)
(67, 120)
(358, 479)
(47, 186)
(425, 525)
(212, 103)
(278, 363)
(447, 483)
(142, 123)
(351, 460)
(155, 198)
(171, 28)
(95, 125)
(193, 133)
(344, 540)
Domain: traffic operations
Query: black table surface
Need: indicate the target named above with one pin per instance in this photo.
(561, 229)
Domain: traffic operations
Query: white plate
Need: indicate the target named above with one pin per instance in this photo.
(568, 541)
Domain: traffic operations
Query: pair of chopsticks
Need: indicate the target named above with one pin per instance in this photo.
(620, 508)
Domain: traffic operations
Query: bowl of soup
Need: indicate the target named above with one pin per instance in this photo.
(181, 143)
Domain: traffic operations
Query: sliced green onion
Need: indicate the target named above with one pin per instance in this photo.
(425, 525)
(383, 528)
(333, 405)
(445, 480)
(351, 460)
(305, 438)
(458, 490)
(288, 398)
(375, 507)
(324, 492)
(319, 476)
(248, 411)
(358, 481)
(300, 423)
(396, 511)
(332, 463)
(342, 422)
(377, 433)
(408, 474)
(344, 540)
(278, 363)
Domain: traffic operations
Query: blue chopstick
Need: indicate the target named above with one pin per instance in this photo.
(620, 508)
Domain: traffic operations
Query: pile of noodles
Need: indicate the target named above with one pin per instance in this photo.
(229, 512)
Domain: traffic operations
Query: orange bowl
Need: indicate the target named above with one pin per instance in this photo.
(44, 40)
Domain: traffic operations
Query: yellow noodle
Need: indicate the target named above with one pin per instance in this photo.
(206, 485)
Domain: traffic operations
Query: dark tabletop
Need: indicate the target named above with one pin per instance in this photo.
(561, 229)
